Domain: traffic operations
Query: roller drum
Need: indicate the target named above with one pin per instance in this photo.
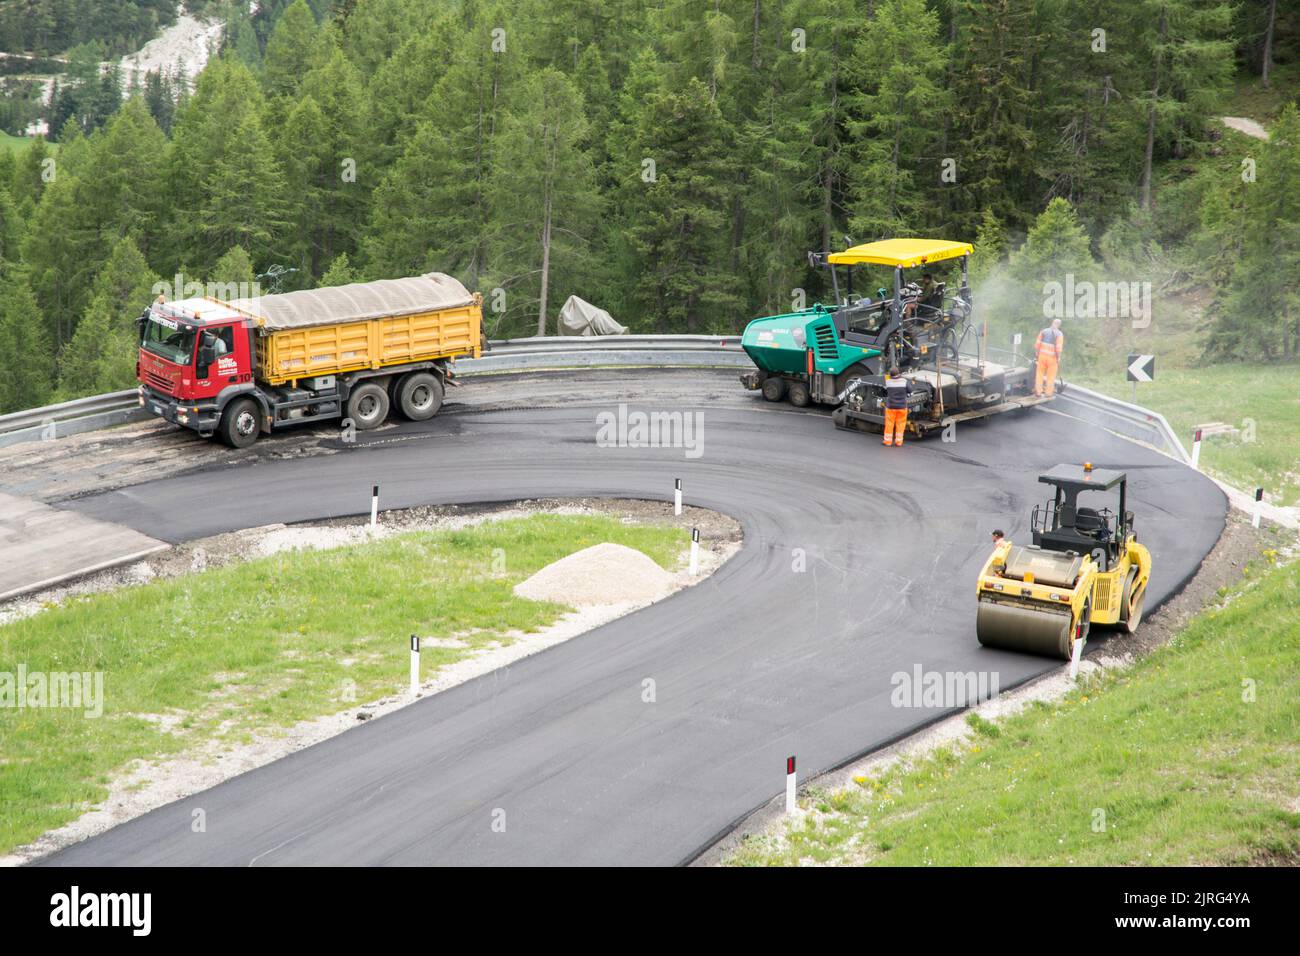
(1030, 630)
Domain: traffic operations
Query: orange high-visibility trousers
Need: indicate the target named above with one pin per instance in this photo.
(1045, 382)
(895, 425)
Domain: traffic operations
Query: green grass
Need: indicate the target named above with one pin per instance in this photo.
(14, 144)
(1266, 395)
(265, 644)
(1165, 764)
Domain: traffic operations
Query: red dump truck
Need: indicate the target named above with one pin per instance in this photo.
(240, 368)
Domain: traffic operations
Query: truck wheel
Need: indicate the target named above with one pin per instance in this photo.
(368, 406)
(798, 395)
(239, 425)
(419, 396)
(774, 388)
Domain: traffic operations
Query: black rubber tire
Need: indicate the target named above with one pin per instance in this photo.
(1131, 610)
(856, 370)
(774, 388)
(419, 396)
(368, 406)
(798, 395)
(239, 426)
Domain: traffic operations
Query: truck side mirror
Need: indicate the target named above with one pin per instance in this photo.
(207, 355)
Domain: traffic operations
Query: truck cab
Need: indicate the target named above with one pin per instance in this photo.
(193, 354)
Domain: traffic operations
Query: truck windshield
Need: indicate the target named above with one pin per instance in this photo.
(169, 339)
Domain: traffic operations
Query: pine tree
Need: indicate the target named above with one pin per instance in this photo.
(222, 175)
(674, 213)
(243, 198)
(996, 64)
(990, 248)
(1189, 56)
(101, 356)
(430, 210)
(1259, 316)
(898, 65)
(323, 154)
(25, 349)
(340, 272)
(542, 191)
(233, 269)
(288, 50)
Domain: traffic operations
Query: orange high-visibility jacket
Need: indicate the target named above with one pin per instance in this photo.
(1050, 340)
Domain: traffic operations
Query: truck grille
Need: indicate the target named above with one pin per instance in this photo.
(826, 348)
(160, 382)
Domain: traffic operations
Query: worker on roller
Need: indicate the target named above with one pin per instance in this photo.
(1048, 348)
(997, 537)
(895, 407)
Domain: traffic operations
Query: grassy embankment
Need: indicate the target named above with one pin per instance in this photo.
(262, 645)
(14, 143)
(1261, 401)
(1170, 762)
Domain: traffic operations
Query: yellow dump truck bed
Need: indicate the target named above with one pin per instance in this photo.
(365, 325)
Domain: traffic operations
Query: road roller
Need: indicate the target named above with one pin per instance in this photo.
(1085, 567)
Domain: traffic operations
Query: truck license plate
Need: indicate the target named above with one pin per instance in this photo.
(157, 409)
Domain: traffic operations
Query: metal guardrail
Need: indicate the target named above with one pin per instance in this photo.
(1113, 414)
(101, 411)
(1131, 421)
(71, 418)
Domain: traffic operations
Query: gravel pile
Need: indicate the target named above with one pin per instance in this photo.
(602, 574)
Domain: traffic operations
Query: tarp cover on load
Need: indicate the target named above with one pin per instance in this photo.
(579, 317)
(357, 302)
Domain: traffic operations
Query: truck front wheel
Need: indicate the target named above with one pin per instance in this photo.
(368, 406)
(419, 396)
(239, 426)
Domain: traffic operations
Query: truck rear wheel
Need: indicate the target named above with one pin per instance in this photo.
(368, 406)
(419, 396)
(774, 388)
(239, 425)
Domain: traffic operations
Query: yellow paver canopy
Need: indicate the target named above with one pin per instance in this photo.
(905, 253)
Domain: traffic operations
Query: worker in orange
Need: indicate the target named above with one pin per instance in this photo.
(895, 407)
(1048, 348)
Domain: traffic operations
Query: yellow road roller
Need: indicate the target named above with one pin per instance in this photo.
(1085, 567)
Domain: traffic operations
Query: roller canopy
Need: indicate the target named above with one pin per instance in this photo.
(356, 302)
(905, 253)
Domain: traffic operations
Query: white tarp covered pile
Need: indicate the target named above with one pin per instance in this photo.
(579, 317)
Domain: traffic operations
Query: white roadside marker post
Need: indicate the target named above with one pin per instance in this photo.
(415, 665)
(1076, 653)
(1196, 450)
(695, 551)
(677, 496)
(789, 785)
(374, 507)
(1259, 505)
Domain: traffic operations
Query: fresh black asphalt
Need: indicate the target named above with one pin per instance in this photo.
(759, 661)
